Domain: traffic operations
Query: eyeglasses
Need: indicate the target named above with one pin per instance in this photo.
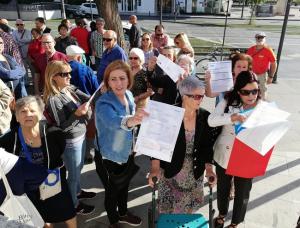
(145, 39)
(245, 92)
(259, 37)
(46, 42)
(134, 58)
(64, 74)
(107, 39)
(195, 97)
(19, 24)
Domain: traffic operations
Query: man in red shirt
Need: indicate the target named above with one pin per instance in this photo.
(81, 35)
(49, 55)
(264, 62)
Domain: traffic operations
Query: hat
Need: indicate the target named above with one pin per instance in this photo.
(260, 34)
(19, 21)
(74, 50)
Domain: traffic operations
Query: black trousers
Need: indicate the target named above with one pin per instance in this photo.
(115, 201)
(242, 193)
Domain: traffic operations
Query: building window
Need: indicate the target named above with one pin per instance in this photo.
(139, 2)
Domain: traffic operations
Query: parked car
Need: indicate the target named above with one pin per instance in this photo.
(73, 11)
(86, 9)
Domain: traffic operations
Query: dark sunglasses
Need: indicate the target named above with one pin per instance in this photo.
(195, 97)
(64, 74)
(107, 39)
(245, 92)
(159, 35)
(259, 37)
(144, 39)
(135, 58)
(1, 43)
(19, 24)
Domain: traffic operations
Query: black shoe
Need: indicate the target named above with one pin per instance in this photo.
(86, 195)
(219, 222)
(130, 219)
(84, 209)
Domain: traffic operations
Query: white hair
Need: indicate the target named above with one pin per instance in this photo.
(139, 52)
(189, 84)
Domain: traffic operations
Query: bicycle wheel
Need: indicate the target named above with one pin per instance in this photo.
(202, 66)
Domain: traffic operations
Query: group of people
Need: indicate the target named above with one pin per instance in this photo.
(56, 128)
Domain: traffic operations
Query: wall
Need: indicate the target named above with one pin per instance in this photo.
(146, 6)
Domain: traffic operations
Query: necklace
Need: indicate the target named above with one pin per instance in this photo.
(30, 141)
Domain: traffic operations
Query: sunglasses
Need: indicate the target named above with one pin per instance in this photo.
(19, 24)
(145, 39)
(259, 37)
(1, 43)
(159, 35)
(135, 58)
(195, 97)
(64, 74)
(245, 92)
(107, 39)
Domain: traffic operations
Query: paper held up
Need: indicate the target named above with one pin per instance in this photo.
(173, 70)
(264, 127)
(221, 76)
(159, 131)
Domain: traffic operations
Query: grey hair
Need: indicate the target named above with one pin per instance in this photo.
(139, 52)
(187, 58)
(20, 103)
(100, 19)
(190, 84)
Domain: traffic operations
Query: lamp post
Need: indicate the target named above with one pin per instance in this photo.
(91, 10)
(225, 27)
(63, 11)
(160, 21)
(286, 18)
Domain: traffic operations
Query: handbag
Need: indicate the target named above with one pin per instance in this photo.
(19, 208)
(52, 184)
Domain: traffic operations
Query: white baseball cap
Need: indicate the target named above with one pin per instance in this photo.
(74, 50)
(258, 34)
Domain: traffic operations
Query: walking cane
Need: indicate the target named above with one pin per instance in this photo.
(211, 210)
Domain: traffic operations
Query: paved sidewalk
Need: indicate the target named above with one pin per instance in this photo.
(275, 197)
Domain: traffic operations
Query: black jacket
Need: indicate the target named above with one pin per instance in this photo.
(204, 140)
(55, 141)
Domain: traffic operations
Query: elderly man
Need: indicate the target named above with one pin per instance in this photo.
(112, 52)
(134, 32)
(159, 38)
(40, 24)
(83, 78)
(97, 42)
(264, 62)
(22, 37)
(50, 54)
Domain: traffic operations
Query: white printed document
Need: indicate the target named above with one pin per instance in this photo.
(159, 131)
(173, 70)
(264, 127)
(221, 76)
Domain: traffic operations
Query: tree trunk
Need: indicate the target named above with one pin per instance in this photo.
(109, 12)
(253, 8)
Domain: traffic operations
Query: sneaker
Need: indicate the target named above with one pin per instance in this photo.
(115, 225)
(130, 219)
(84, 209)
(86, 195)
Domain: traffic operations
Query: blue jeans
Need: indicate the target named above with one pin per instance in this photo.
(19, 88)
(74, 160)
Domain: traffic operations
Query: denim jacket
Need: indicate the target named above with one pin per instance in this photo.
(114, 137)
(14, 72)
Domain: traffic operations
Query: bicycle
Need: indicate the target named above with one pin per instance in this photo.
(201, 65)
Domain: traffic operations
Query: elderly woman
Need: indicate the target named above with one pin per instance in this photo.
(182, 42)
(244, 96)
(141, 88)
(180, 189)
(115, 120)
(186, 63)
(40, 144)
(68, 109)
(11, 71)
